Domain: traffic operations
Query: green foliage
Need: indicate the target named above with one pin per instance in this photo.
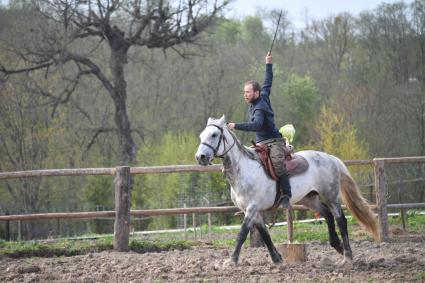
(170, 149)
(99, 191)
(31, 139)
(252, 29)
(337, 137)
(175, 190)
(300, 99)
(99, 194)
(229, 30)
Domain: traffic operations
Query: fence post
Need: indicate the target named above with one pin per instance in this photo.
(194, 224)
(185, 223)
(381, 200)
(209, 226)
(400, 201)
(122, 208)
(7, 230)
(19, 230)
(290, 222)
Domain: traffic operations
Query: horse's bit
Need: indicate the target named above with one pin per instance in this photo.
(222, 137)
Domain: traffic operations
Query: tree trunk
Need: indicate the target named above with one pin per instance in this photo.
(126, 143)
(127, 147)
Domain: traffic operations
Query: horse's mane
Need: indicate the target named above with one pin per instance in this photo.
(244, 149)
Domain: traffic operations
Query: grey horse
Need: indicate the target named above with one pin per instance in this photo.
(320, 188)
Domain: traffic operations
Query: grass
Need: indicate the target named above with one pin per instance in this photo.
(317, 231)
(72, 247)
(414, 221)
(157, 246)
(421, 276)
(303, 233)
(60, 248)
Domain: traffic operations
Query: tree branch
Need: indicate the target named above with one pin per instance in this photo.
(96, 134)
(93, 68)
(24, 70)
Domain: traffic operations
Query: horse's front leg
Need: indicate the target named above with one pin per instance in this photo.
(259, 223)
(243, 233)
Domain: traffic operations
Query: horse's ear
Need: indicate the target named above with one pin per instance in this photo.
(223, 119)
(209, 120)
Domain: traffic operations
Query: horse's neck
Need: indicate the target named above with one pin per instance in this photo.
(235, 161)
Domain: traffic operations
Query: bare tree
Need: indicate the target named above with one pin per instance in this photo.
(333, 35)
(24, 141)
(62, 30)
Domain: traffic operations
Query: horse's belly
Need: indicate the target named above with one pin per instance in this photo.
(300, 190)
(316, 178)
(260, 196)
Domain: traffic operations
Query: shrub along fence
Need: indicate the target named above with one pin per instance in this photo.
(122, 182)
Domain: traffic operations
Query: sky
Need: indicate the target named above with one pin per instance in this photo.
(299, 10)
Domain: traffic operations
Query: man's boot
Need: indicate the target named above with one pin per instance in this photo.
(285, 188)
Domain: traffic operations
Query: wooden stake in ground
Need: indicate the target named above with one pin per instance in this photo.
(122, 208)
(290, 222)
(292, 253)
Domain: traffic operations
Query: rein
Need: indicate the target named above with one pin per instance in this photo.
(222, 138)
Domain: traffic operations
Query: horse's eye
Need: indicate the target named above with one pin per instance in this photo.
(214, 135)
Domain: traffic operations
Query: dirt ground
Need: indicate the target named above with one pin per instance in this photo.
(401, 260)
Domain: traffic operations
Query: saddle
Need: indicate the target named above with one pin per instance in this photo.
(295, 164)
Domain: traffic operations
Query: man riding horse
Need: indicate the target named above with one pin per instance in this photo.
(261, 121)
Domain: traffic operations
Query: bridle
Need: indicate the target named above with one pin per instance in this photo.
(222, 138)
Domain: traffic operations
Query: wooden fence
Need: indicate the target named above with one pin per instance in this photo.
(122, 194)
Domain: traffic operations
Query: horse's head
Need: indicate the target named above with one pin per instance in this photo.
(213, 141)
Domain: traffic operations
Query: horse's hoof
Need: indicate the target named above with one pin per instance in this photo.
(346, 263)
(229, 263)
(277, 259)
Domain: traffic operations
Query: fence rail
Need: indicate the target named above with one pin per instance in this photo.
(109, 171)
(165, 212)
(133, 170)
(122, 195)
(139, 213)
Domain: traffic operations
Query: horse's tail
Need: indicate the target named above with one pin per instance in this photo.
(357, 204)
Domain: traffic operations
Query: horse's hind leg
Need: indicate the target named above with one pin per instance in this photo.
(336, 210)
(313, 202)
(259, 223)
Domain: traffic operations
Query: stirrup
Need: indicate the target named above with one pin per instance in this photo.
(284, 202)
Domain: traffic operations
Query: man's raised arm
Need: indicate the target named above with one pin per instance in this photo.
(267, 85)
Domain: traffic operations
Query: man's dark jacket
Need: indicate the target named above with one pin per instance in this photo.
(261, 115)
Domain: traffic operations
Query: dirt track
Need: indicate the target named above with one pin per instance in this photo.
(399, 261)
